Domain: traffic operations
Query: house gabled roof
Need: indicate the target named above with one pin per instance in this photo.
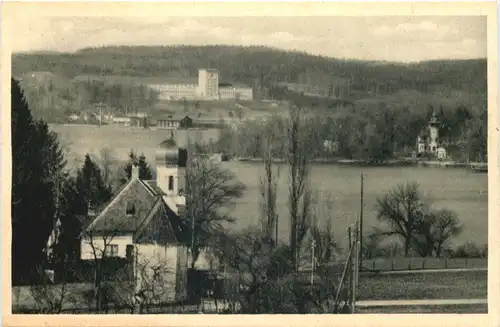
(163, 225)
(114, 217)
(151, 215)
(153, 187)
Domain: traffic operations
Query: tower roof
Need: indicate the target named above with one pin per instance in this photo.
(434, 117)
(167, 152)
(168, 143)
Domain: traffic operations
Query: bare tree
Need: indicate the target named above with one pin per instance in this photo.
(99, 244)
(299, 192)
(49, 297)
(435, 230)
(402, 209)
(253, 263)
(144, 284)
(321, 231)
(372, 245)
(106, 158)
(269, 189)
(210, 189)
(320, 249)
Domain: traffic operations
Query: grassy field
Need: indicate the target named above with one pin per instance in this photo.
(442, 285)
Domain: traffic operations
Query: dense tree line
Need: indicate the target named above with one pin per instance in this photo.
(53, 97)
(37, 173)
(260, 65)
(367, 133)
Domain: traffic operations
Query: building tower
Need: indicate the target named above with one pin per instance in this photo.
(171, 172)
(433, 132)
(208, 83)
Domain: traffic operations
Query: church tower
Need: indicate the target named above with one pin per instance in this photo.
(170, 172)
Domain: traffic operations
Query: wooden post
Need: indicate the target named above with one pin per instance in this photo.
(353, 284)
(361, 224)
(350, 272)
(356, 253)
(312, 262)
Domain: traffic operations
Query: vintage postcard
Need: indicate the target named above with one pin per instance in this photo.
(336, 163)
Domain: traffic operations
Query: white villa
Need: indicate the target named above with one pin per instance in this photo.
(428, 140)
(144, 223)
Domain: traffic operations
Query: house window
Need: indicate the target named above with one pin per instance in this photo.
(111, 250)
(130, 209)
(170, 183)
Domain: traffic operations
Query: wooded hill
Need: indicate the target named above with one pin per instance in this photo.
(259, 64)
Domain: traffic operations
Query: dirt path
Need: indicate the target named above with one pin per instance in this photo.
(384, 303)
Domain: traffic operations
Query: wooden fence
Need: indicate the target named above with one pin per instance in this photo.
(393, 264)
(401, 263)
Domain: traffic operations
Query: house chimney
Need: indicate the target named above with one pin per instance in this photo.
(135, 172)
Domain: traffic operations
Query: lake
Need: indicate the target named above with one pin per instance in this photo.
(457, 189)
(79, 140)
(460, 190)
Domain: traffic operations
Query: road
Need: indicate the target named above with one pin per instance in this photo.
(423, 271)
(392, 303)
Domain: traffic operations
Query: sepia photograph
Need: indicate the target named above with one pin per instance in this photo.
(228, 164)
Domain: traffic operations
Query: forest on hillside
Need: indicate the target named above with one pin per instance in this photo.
(388, 103)
(258, 65)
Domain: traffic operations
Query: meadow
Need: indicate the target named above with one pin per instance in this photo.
(457, 189)
(425, 286)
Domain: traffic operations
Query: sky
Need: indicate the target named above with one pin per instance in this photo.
(389, 38)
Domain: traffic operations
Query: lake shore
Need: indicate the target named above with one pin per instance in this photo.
(388, 163)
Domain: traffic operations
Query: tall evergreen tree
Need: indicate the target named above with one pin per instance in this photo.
(65, 250)
(145, 171)
(37, 169)
(92, 191)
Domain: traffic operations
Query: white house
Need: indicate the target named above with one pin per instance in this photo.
(441, 153)
(428, 139)
(125, 121)
(144, 222)
(73, 117)
(241, 93)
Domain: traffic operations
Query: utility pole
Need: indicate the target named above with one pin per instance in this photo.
(355, 267)
(313, 261)
(100, 113)
(350, 263)
(276, 232)
(361, 222)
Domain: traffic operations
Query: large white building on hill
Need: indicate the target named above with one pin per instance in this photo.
(207, 89)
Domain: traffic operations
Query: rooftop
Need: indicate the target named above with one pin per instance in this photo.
(168, 143)
(151, 207)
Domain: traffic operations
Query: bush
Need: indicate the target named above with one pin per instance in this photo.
(470, 250)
